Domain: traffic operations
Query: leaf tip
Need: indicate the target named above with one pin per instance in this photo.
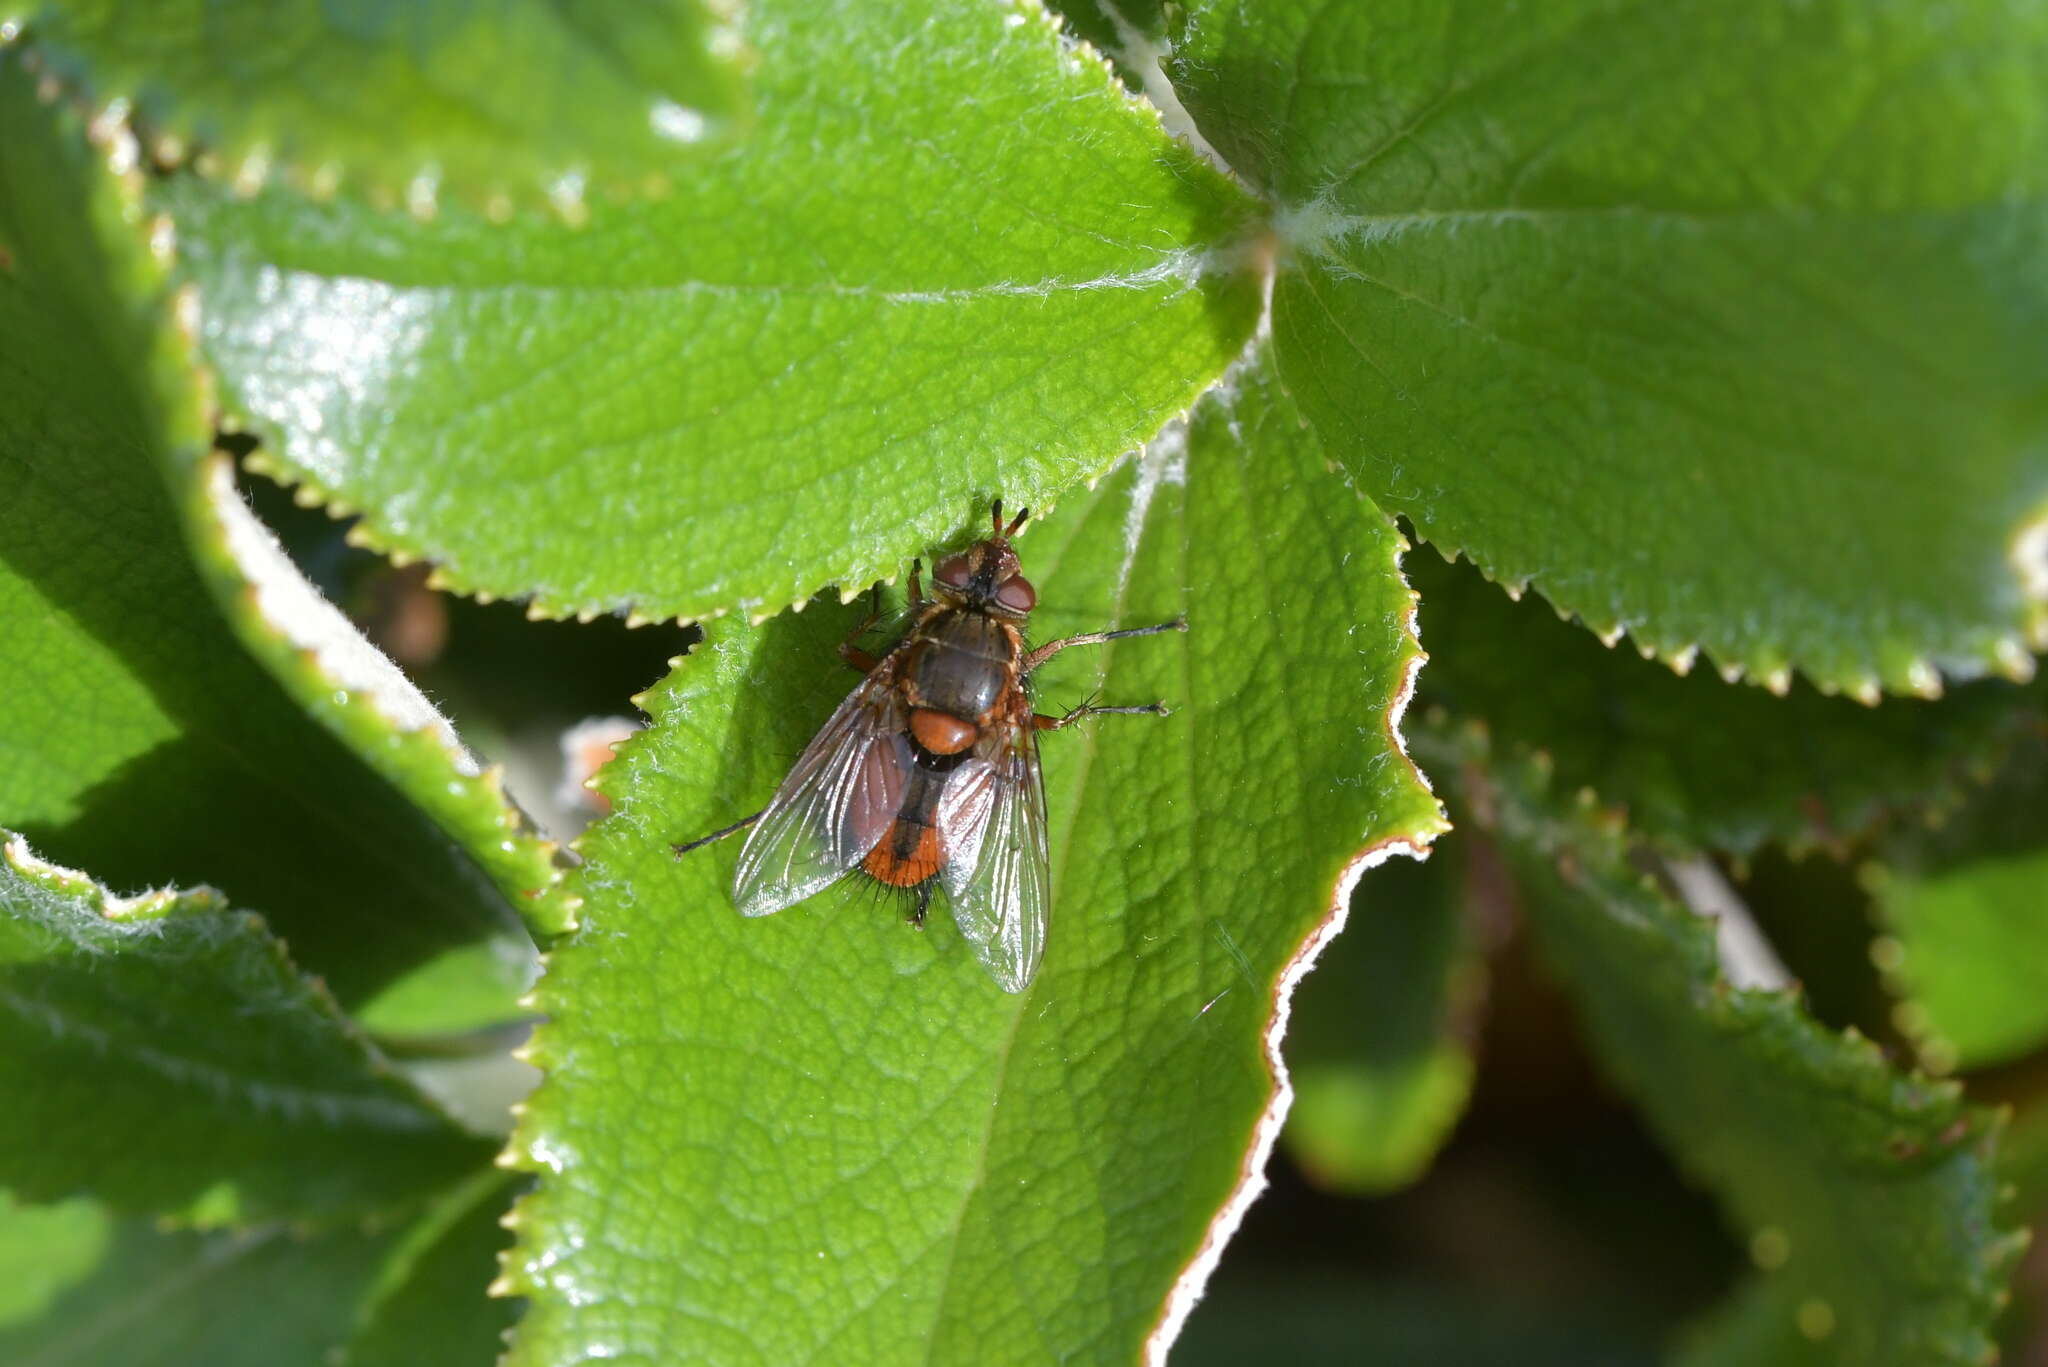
(2013, 659)
(253, 172)
(566, 196)
(324, 180)
(423, 195)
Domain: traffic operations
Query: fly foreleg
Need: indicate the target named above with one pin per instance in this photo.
(1095, 638)
(849, 651)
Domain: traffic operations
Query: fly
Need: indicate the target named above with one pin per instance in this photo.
(927, 775)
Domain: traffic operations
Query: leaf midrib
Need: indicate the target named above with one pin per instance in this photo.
(1006, 1050)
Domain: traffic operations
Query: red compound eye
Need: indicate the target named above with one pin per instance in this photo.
(1016, 594)
(953, 572)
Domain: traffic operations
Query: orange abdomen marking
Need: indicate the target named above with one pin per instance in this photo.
(941, 733)
(885, 864)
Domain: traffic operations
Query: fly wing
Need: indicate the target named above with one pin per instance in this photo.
(839, 799)
(998, 872)
(962, 818)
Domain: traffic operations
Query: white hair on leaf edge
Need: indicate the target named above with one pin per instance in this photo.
(289, 603)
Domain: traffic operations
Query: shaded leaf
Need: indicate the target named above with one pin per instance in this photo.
(428, 1303)
(1695, 760)
(164, 1055)
(493, 104)
(1723, 324)
(1967, 908)
(119, 1293)
(351, 688)
(142, 742)
(1759, 1327)
(1379, 1043)
(1327, 1320)
(132, 1296)
(864, 1149)
(1865, 1193)
(43, 1250)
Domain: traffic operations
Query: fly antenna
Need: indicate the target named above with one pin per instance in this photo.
(995, 516)
(1015, 522)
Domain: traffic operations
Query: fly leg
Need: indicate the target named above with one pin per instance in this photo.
(1041, 722)
(852, 653)
(1095, 638)
(924, 903)
(703, 840)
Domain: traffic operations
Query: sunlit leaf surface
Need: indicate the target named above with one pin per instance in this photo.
(857, 1146)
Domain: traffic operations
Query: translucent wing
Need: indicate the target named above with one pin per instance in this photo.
(962, 818)
(840, 798)
(998, 872)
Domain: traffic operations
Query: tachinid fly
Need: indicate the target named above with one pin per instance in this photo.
(928, 772)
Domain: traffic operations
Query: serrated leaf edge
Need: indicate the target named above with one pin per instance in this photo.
(151, 904)
(850, 578)
(1890, 665)
(345, 683)
(853, 574)
(526, 1151)
(159, 904)
(1468, 745)
(248, 164)
(1193, 1279)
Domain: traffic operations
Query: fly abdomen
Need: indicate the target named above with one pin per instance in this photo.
(910, 851)
(909, 854)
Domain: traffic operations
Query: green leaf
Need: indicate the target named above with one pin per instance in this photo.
(1967, 909)
(847, 1143)
(428, 1304)
(2023, 1158)
(487, 103)
(1695, 761)
(346, 685)
(1379, 1044)
(142, 741)
(43, 1250)
(454, 993)
(1759, 1326)
(127, 1295)
(1721, 323)
(965, 263)
(117, 1293)
(1866, 1195)
(164, 1055)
